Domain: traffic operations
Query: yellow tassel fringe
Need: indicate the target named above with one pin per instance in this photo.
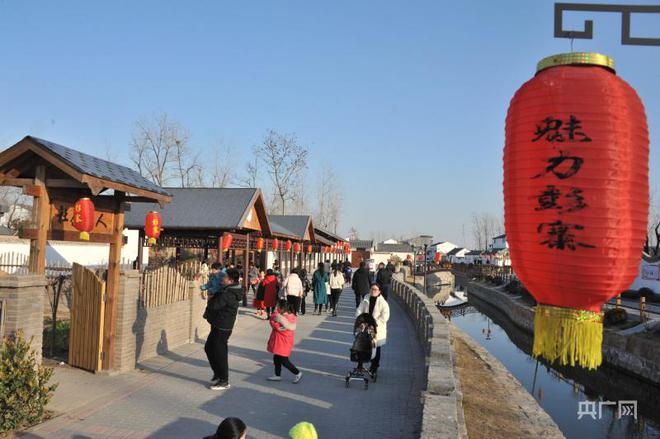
(569, 336)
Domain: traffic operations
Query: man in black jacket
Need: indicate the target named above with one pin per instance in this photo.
(221, 313)
(361, 283)
(384, 280)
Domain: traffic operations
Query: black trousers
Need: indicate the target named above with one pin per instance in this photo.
(375, 363)
(217, 353)
(294, 301)
(385, 290)
(280, 361)
(334, 298)
(302, 304)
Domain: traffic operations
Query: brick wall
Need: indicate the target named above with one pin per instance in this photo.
(23, 308)
(145, 332)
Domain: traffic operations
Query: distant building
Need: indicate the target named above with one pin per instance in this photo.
(442, 247)
(499, 243)
(457, 255)
(473, 257)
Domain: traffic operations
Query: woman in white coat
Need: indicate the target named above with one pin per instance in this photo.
(377, 306)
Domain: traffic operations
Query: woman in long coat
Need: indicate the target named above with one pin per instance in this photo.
(271, 287)
(320, 286)
(376, 305)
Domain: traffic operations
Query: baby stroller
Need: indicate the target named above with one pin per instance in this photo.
(363, 349)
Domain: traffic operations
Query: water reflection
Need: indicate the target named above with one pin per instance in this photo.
(559, 389)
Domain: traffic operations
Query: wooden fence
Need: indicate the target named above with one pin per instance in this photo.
(86, 334)
(162, 286)
(17, 263)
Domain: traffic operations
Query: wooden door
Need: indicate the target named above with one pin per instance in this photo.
(86, 334)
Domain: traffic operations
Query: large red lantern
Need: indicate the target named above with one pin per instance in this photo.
(276, 244)
(84, 217)
(260, 244)
(297, 247)
(309, 248)
(226, 242)
(152, 226)
(287, 245)
(575, 198)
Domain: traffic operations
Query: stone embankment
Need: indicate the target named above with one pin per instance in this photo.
(629, 350)
(443, 409)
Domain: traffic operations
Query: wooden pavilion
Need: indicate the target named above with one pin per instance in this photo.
(56, 177)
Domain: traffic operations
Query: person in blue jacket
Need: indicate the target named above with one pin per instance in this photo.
(319, 285)
(216, 278)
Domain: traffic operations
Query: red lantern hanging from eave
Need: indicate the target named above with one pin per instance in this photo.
(226, 242)
(152, 226)
(276, 244)
(260, 244)
(287, 245)
(84, 217)
(297, 248)
(309, 248)
(575, 198)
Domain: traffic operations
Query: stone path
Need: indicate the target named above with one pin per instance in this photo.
(168, 397)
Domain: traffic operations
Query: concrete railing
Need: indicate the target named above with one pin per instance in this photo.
(443, 408)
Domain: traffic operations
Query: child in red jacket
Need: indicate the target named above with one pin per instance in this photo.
(280, 343)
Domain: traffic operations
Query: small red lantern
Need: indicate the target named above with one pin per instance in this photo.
(84, 217)
(309, 248)
(297, 247)
(438, 257)
(260, 244)
(287, 245)
(226, 242)
(276, 244)
(152, 226)
(576, 161)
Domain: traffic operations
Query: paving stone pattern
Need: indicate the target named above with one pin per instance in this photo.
(168, 397)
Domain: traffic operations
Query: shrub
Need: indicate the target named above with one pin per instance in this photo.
(61, 345)
(24, 392)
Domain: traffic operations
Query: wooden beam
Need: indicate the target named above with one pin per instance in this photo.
(65, 183)
(95, 182)
(10, 181)
(112, 284)
(66, 235)
(246, 262)
(140, 254)
(41, 220)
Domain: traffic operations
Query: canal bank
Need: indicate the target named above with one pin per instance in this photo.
(457, 369)
(636, 353)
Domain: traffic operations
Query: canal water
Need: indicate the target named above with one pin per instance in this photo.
(559, 390)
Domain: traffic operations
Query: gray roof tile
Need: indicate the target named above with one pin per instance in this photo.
(293, 225)
(197, 208)
(100, 168)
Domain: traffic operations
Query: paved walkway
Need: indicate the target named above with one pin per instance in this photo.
(168, 397)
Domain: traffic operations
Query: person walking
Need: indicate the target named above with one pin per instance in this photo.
(259, 303)
(271, 290)
(280, 343)
(319, 285)
(253, 278)
(307, 286)
(337, 281)
(377, 306)
(221, 311)
(384, 280)
(361, 283)
(293, 289)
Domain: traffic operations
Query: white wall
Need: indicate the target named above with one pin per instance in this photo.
(649, 276)
(65, 252)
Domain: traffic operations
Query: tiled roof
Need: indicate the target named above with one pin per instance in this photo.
(94, 166)
(362, 243)
(290, 225)
(197, 208)
(393, 248)
(455, 251)
(500, 236)
(474, 253)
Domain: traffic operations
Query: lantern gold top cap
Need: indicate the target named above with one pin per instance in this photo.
(576, 58)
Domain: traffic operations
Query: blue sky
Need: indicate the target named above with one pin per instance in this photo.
(407, 100)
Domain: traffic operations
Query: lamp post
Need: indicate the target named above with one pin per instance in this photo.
(425, 265)
(412, 266)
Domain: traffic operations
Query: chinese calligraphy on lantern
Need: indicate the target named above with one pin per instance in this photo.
(560, 167)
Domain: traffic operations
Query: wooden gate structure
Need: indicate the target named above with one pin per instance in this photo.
(87, 312)
(56, 177)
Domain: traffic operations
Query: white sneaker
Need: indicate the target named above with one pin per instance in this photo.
(274, 378)
(297, 378)
(220, 386)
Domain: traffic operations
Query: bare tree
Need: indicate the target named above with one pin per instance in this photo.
(251, 176)
(222, 173)
(328, 200)
(652, 245)
(484, 228)
(18, 207)
(285, 160)
(353, 233)
(160, 151)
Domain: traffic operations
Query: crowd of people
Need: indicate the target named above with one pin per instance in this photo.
(280, 299)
